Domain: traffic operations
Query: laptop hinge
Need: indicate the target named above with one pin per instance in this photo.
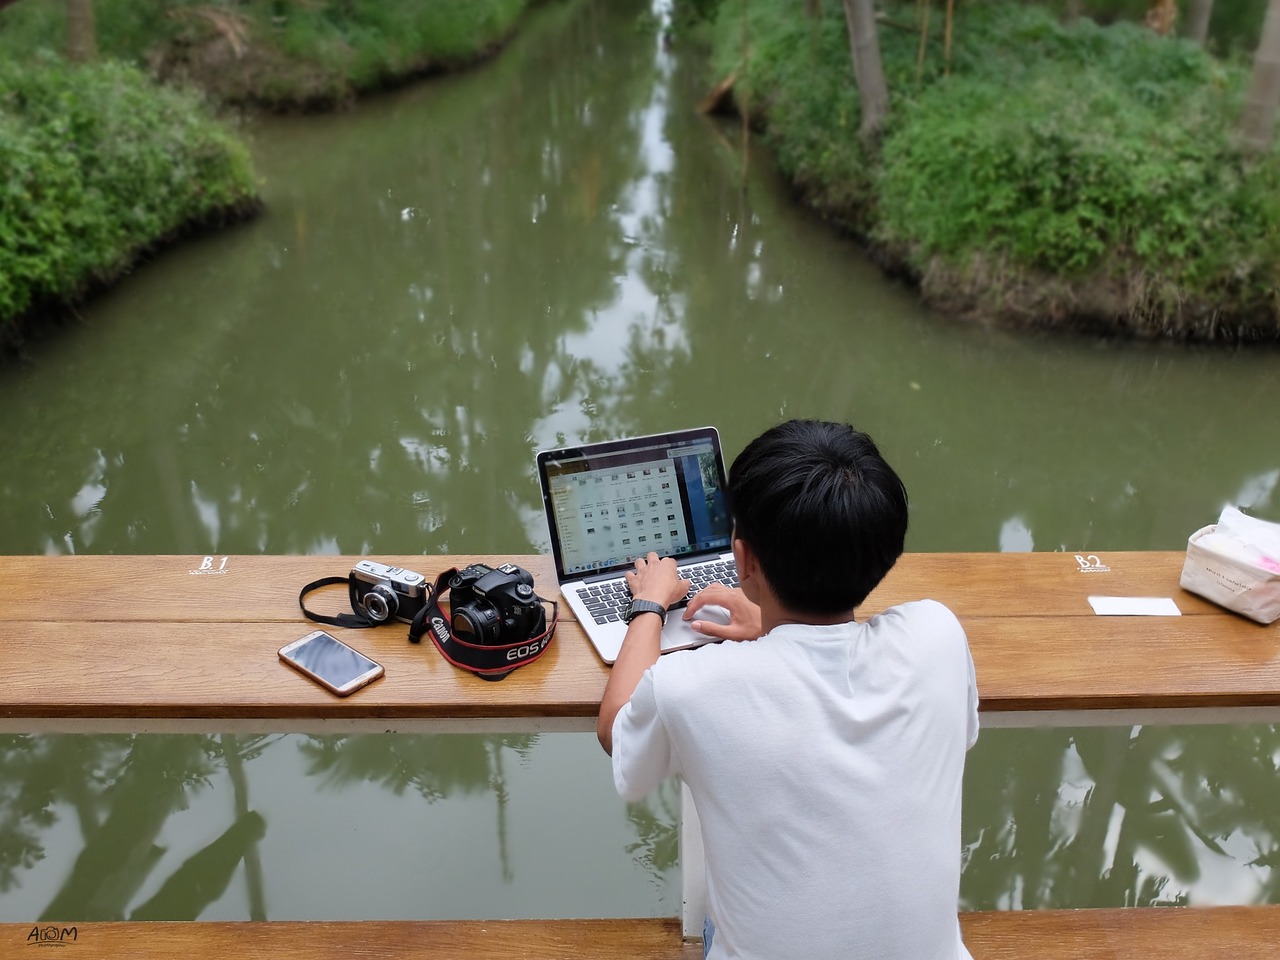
(597, 577)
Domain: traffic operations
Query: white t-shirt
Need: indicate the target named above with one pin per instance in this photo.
(826, 765)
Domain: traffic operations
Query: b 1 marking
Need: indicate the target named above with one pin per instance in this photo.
(210, 565)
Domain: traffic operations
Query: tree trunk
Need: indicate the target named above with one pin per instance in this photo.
(1198, 14)
(1071, 12)
(1258, 121)
(82, 42)
(868, 71)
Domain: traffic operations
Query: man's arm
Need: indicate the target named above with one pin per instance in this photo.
(659, 581)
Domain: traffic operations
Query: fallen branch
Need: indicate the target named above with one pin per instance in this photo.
(714, 100)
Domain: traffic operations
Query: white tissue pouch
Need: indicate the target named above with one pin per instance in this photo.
(1236, 564)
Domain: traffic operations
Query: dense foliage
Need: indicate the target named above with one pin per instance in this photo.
(278, 53)
(99, 163)
(1052, 174)
(96, 166)
(1233, 27)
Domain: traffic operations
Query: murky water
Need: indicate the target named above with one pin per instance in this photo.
(557, 246)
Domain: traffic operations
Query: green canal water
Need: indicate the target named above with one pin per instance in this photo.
(556, 246)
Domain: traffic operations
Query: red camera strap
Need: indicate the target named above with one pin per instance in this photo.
(491, 662)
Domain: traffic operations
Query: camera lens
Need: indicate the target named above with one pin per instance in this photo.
(463, 628)
(379, 603)
(474, 624)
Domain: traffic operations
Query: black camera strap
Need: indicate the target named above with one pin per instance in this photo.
(491, 662)
(354, 620)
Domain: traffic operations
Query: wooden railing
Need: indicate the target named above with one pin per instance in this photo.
(174, 643)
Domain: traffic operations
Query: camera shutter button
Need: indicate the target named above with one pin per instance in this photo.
(524, 590)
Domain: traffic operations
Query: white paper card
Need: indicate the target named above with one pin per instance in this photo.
(1134, 607)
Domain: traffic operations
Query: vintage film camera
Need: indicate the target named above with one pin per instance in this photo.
(383, 593)
(494, 606)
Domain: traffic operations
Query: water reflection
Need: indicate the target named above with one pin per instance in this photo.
(434, 767)
(121, 789)
(1140, 816)
(217, 827)
(656, 822)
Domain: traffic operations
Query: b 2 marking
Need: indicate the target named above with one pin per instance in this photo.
(1091, 564)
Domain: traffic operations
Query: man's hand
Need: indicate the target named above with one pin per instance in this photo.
(744, 616)
(657, 580)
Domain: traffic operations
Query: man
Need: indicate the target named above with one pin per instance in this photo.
(825, 757)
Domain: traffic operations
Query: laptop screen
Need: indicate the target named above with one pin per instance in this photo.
(608, 503)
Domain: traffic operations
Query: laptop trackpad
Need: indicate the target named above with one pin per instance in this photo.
(678, 635)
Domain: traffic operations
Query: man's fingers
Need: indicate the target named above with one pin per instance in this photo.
(710, 628)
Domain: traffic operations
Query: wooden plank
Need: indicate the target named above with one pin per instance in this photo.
(211, 670)
(1160, 933)
(182, 638)
(216, 670)
(1081, 663)
(258, 588)
(641, 939)
(216, 589)
(1035, 584)
(1157, 933)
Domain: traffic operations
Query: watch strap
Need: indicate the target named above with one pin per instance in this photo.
(637, 607)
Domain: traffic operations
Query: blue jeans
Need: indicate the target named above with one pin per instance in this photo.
(708, 934)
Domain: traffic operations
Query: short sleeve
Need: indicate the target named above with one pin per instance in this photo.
(971, 736)
(642, 754)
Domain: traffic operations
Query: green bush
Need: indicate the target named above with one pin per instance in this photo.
(97, 165)
(1068, 158)
(1129, 166)
(285, 54)
(373, 43)
(1061, 183)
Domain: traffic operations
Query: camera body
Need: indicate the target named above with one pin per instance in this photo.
(495, 605)
(384, 593)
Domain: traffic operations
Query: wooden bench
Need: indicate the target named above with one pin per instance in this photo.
(1165, 933)
(164, 643)
(191, 641)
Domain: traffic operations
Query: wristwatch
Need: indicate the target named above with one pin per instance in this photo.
(637, 607)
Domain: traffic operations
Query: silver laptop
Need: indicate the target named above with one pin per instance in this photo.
(608, 503)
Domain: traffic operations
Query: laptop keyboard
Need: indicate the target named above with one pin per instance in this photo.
(606, 601)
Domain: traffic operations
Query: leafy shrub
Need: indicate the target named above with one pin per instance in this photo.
(1077, 155)
(1061, 183)
(284, 53)
(96, 165)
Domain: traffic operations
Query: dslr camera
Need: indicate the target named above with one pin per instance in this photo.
(494, 606)
(384, 593)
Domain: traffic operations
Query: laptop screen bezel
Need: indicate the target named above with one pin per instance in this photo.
(607, 448)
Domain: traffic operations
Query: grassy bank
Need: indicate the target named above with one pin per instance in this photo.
(278, 54)
(1080, 177)
(98, 166)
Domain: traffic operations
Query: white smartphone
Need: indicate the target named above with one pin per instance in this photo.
(330, 662)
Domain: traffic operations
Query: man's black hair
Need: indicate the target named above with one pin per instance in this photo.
(824, 513)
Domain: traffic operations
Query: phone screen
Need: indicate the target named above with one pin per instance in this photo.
(330, 659)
